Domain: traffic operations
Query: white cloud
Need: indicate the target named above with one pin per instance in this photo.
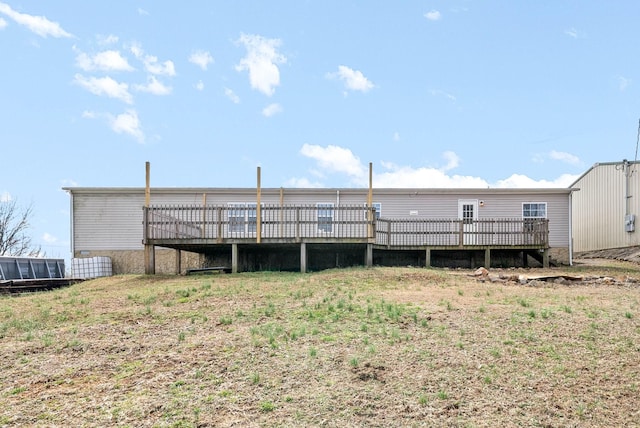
(342, 160)
(353, 80)
(261, 62)
(110, 60)
(336, 159)
(564, 157)
(68, 182)
(232, 96)
(105, 86)
(127, 123)
(142, 12)
(154, 86)
(424, 177)
(396, 136)
(201, 58)
(623, 83)
(152, 65)
(522, 181)
(571, 32)
(5, 197)
(150, 62)
(302, 183)
(107, 40)
(37, 24)
(49, 238)
(200, 85)
(433, 15)
(271, 110)
(452, 161)
(136, 50)
(3, 23)
(441, 93)
(575, 34)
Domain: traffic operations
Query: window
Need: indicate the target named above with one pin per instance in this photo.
(531, 211)
(534, 210)
(236, 218)
(243, 217)
(252, 218)
(325, 217)
(468, 213)
(377, 206)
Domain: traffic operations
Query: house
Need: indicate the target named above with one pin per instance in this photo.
(605, 209)
(172, 229)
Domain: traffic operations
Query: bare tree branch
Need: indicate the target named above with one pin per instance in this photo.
(14, 223)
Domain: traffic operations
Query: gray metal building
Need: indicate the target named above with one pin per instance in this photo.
(605, 209)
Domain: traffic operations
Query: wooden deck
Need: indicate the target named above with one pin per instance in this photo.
(174, 226)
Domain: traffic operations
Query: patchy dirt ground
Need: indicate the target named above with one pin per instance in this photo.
(343, 348)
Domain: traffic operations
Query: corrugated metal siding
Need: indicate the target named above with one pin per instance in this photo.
(599, 208)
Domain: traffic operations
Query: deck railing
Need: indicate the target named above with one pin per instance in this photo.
(407, 232)
(333, 223)
(239, 221)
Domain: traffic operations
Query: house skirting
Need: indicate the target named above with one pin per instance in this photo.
(305, 257)
(133, 261)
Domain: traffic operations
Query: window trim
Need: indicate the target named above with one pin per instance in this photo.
(325, 226)
(244, 223)
(236, 217)
(537, 209)
(529, 221)
(377, 206)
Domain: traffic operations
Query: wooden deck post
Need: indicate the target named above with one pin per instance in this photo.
(219, 224)
(298, 236)
(370, 232)
(149, 250)
(178, 261)
(428, 257)
(150, 259)
(204, 216)
(369, 256)
(281, 212)
(487, 258)
(545, 258)
(234, 258)
(258, 209)
(303, 257)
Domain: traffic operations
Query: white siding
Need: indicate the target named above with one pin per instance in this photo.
(107, 221)
(111, 219)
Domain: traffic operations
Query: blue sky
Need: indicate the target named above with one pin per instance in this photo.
(454, 93)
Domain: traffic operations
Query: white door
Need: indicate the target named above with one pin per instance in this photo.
(468, 213)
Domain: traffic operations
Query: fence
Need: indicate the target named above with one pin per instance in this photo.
(454, 232)
(240, 221)
(325, 221)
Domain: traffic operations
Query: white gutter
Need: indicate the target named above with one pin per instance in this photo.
(571, 229)
(72, 241)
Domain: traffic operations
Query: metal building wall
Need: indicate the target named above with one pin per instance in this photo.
(599, 207)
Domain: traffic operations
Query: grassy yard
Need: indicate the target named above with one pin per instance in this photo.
(357, 347)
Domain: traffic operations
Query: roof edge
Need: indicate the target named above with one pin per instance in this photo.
(411, 190)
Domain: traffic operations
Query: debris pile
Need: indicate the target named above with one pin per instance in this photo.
(483, 275)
